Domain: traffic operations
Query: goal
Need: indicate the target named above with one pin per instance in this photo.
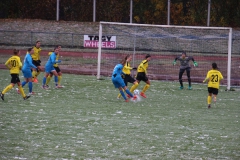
(164, 43)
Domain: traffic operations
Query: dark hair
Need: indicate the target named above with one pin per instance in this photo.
(29, 49)
(214, 65)
(184, 53)
(127, 56)
(15, 51)
(148, 55)
(37, 41)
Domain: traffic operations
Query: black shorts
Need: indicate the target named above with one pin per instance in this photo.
(36, 63)
(141, 76)
(128, 78)
(15, 78)
(213, 90)
(57, 70)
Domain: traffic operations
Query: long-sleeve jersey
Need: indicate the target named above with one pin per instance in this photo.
(127, 69)
(28, 62)
(214, 76)
(117, 71)
(57, 57)
(14, 64)
(184, 62)
(143, 66)
(51, 60)
(36, 53)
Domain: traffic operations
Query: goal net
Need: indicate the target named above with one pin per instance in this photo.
(164, 43)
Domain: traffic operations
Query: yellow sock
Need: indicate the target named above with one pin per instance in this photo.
(34, 74)
(37, 73)
(48, 80)
(7, 89)
(119, 95)
(134, 87)
(209, 99)
(145, 88)
(59, 80)
(21, 91)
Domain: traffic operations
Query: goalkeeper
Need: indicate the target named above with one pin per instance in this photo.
(184, 65)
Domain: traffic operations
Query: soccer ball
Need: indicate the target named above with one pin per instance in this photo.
(136, 92)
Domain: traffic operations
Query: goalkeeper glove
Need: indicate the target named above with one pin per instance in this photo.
(174, 62)
(195, 64)
(134, 68)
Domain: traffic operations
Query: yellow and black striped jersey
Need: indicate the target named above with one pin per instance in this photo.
(14, 64)
(126, 68)
(143, 66)
(214, 77)
(36, 53)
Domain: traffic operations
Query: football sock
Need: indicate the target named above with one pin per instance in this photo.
(209, 99)
(128, 92)
(30, 87)
(44, 81)
(123, 95)
(21, 91)
(48, 80)
(23, 83)
(134, 87)
(59, 80)
(34, 73)
(119, 95)
(56, 80)
(37, 73)
(7, 89)
(145, 88)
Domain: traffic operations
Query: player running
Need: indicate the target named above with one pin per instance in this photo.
(142, 76)
(49, 68)
(127, 72)
(36, 61)
(213, 77)
(118, 81)
(57, 69)
(184, 61)
(26, 70)
(14, 64)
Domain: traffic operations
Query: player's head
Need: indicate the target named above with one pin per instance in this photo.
(128, 58)
(148, 57)
(214, 65)
(16, 52)
(38, 44)
(184, 54)
(30, 50)
(59, 47)
(56, 50)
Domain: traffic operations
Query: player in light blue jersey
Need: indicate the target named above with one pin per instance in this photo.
(49, 68)
(118, 81)
(27, 68)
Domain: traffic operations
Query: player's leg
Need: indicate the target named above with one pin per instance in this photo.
(125, 79)
(181, 71)
(55, 77)
(147, 85)
(45, 79)
(136, 83)
(59, 76)
(209, 98)
(215, 93)
(189, 78)
(49, 78)
(10, 86)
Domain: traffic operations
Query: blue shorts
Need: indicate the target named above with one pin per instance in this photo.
(27, 73)
(118, 82)
(49, 69)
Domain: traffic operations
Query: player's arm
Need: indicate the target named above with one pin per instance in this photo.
(29, 60)
(194, 62)
(175, 61)
(207, 78)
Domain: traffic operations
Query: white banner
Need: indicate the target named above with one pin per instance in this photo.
(91, 41)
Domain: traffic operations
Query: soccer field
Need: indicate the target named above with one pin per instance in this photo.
(85, 120)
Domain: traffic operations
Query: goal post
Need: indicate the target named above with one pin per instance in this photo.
(164, 43)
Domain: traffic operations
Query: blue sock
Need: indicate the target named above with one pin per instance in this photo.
(56, 80)
(128, 92)
(23, 83)
(30, 87)
(44, 81)
(123, 95)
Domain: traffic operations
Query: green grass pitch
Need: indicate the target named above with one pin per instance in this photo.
(85, 120)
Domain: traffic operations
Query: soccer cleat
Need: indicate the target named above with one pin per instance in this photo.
(209, 106)
(35, 80)
(143, 95)
(181, 87)
(189, 87)
(26, 97)
(59, 86)
(2, 96)
(126, 100)
(134, 97)
(44, 87)
(32, 93)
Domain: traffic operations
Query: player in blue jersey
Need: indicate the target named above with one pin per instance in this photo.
(27, 68)
(118, 81)
(49, 68)
(184, 65)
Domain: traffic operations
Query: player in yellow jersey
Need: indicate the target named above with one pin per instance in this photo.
(142, 76)
(14, 64)
(127, 72)
(36, 61)
(213, 77)
(57, 69)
